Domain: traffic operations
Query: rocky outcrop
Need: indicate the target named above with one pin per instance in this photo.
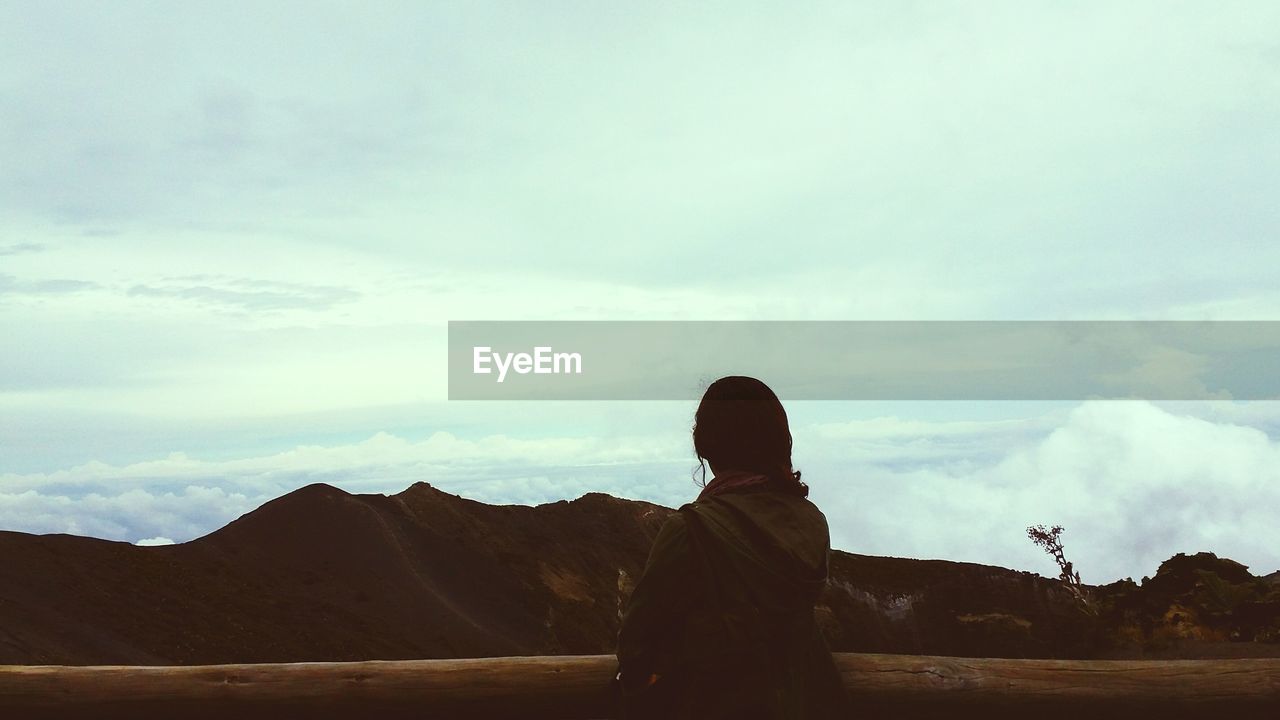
(1194, 605)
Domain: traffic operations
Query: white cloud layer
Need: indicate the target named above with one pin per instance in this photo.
(1132, 484)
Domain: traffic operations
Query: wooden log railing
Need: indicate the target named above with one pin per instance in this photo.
(579, 688)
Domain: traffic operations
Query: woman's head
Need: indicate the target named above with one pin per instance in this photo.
(741, 425)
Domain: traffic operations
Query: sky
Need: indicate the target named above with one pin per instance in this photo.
(231, 239)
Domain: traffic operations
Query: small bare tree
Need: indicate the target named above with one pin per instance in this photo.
(1051, 541)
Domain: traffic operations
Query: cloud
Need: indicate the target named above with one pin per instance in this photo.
(10, 285)
(871, 162)
(253, 295)
(125, 514)
(20, 248)
(154, 541)
(1131, 482)
(948, 152)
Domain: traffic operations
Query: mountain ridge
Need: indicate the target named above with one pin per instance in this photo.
(322, 574)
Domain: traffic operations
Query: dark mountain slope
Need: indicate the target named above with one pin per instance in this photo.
(320, 574)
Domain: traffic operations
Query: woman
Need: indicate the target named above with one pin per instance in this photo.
(721, 625)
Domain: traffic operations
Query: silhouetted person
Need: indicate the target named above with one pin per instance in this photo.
(721, 623)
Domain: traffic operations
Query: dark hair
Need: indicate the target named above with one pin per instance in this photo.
(741, 425)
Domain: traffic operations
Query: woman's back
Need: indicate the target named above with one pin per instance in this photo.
(723, 614)
(721, 625)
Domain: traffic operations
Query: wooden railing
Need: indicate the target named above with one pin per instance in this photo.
(579, 688)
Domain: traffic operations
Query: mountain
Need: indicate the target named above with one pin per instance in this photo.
(1195, 606)
(321, 574)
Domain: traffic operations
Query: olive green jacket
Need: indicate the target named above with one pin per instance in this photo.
(723, 614)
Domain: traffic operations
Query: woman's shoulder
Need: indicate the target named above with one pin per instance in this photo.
(781, 514)
(761, 504)
(785, 532)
